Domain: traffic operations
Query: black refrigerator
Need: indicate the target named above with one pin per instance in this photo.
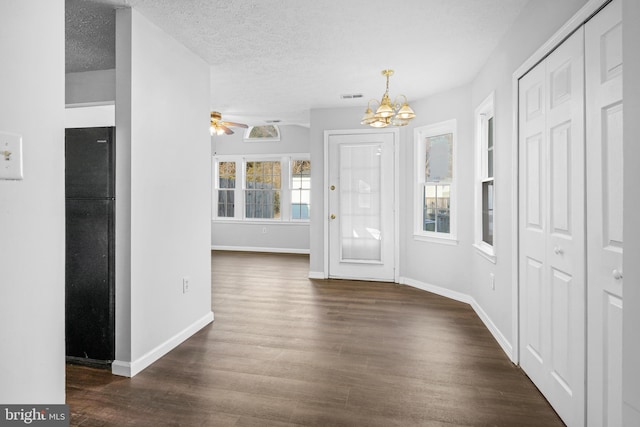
(90, 240)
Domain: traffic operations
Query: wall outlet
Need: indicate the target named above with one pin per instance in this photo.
(185, 284)
(492, 281)
(264, 230)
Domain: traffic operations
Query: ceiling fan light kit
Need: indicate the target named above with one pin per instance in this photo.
(388, 113)
(220, 127)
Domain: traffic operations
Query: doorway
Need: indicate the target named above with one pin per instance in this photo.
(360, 199)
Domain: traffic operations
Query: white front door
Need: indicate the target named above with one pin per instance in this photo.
(552, 228)
(361, 224)
(603, 56)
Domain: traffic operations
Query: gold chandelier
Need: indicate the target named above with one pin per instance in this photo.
(386, 114)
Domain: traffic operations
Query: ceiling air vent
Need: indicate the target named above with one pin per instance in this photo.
(273, 121)
(351, 96)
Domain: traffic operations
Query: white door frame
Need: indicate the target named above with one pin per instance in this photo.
(396, 192)
(583, 15)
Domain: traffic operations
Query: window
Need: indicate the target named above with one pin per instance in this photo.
(262, 133)
(262, 189)
(485, 193)
(226, 189)
(300, 189)
(435, 181)
(252, 189)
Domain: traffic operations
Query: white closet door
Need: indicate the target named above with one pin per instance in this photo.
(552, 228)
(603, 56)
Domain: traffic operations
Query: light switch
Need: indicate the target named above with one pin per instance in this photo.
(10, 156)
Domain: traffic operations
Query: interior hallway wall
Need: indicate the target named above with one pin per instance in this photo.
(32, 219)
(163, 197)
(539, 20)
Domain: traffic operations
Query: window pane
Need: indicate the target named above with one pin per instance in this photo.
(490, 163)
(439, 158)
(490, 133)
(226, 205)
(266, 131)
(262, 195)
(226, 184)
(436, 212)
(300, 189)
(487, 212)
(490, 148)
(227, 174)
(360, 203)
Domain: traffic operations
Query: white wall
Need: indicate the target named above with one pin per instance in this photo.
(90, 117)
(539, 20)
(163, 194)
(32, 238)
(631, 320)
(91, 87)
(90, 99)
(263, 235)
(426, 264)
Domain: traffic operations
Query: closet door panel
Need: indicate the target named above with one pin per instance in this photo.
(552, 228)
(604, 67)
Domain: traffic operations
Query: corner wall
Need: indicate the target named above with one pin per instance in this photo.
(32, 219)
(163, 198)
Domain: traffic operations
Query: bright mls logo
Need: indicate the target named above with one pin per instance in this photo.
(34, 415)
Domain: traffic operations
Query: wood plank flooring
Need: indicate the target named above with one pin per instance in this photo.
(288, 351)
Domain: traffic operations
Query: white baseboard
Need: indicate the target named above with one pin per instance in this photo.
(467, 299)
(260, 249)
(130, 369)
(316, 275)
(497, 334)
(454, 295)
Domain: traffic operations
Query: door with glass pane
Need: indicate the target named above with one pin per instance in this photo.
(361, 225)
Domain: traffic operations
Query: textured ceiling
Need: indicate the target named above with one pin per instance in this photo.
(276, 59)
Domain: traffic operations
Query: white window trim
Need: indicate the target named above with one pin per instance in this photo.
(420, 133)
(483, 113)
(239, 193)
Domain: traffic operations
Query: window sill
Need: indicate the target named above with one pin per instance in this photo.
(260, 221)
(485, 251)
(444, 240)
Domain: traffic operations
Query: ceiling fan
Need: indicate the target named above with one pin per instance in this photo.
(218, 126)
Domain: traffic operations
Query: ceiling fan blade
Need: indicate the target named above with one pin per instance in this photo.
(238, 125)
(225, 129)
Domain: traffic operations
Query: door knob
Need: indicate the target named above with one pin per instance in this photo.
(333, 216)
(558, 250)
(617, 274)
(333, 187)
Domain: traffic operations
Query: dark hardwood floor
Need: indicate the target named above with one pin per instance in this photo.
(286, 351)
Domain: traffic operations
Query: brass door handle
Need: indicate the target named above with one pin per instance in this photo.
(333, 187)
(333, 216)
